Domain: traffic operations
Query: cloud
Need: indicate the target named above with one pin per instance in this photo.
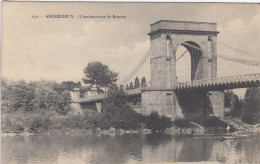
(60, 49)
(244, 36)
(63, 56)
(111, 34)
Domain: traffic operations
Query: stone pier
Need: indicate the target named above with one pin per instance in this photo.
(200, 39)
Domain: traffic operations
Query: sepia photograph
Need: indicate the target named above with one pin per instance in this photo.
(130, 83)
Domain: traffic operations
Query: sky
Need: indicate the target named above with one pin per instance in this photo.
(60, 48)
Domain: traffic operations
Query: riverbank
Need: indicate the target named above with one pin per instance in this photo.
(241, 126)
(174, 130)
(50, 123)
(111, 131)
(197, 130)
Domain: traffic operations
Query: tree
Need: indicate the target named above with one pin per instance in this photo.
(251, 106)
(137, 83)
(131, 85)
(232, 101)
(236, 106)
(143, 82)
(227, 98)
(116, 101)
(252, 100)
(40, 95)
(21, 96)
(126, 87)
(66, 86)
(99, 74)
(155, 123)
(48, 97)
(5, 94)
(116, 111)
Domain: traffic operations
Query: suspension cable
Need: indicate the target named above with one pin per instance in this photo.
(182, 55)
(137, 67)
(235, 49)
(234, 59)
(251, 63)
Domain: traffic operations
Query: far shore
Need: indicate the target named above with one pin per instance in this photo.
(250, 129)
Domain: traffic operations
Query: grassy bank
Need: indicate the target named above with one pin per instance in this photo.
(41, 121)
(90, 121)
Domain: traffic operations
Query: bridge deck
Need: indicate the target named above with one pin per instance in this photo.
(232, 82)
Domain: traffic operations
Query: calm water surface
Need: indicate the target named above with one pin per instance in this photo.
(129, 148)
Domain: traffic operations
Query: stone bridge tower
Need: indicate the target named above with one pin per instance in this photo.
(165, 37)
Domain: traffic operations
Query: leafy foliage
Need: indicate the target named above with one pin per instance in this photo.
(143, 82)
(131, 85)
(39, 123)
(137, 83)
(116, 111)
(182, 123)
(251, 106)
(214, 122)
(66, 85)
(158, 123)
(99, 74)
(126, 87)
(232, 101)
(252, 100)
(248, 118)
(227, 98)
(40, 95)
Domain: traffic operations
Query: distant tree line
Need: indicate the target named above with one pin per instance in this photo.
(233, 102)
(247, 109)
(136, 84)
(37, 95)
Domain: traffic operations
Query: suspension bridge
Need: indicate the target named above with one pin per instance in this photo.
(196, 91)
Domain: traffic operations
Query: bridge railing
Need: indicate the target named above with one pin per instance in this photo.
(215, 81)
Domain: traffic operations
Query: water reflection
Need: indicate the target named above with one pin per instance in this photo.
(134, 148)
(196, 149)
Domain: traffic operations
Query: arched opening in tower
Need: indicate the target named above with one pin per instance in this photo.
(183, 65)
(188, 57)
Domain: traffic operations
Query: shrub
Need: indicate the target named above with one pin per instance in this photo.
(257, 118)
(252, 100)
(28, 97)
(165, 122)
(182, 123)
(215, 124)
(248, 118)
(152, 121)
(156, 123)
(39, 123)
(103, 123)
(12, 122)
(214, 121)
(90, 119)
(117, 113)
(127, 120)
(74, 121)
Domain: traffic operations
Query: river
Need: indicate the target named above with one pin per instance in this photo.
(128, 148)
